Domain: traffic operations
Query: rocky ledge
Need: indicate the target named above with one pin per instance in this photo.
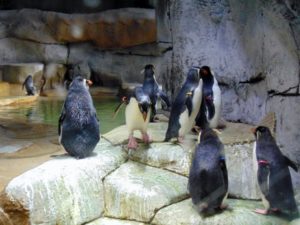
(117, 186)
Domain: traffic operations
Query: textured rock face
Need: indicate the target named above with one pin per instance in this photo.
(107, 221)
(253, 48)
(109, 29)
(241, 212)
(136, 191)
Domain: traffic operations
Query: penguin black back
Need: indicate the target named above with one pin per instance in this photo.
(273, 174)
(208, 179)
(151, 88)
(181, 103)
(78, 123)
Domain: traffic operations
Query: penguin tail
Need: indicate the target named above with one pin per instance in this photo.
(168, 137)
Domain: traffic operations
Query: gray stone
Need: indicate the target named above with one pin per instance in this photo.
(136, 192)
(109, 221)
(64, 190)
(241, 176)
(20, 51)
(239, 212)
(295, 222)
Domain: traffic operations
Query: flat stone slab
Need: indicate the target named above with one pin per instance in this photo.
(165, 155)
(15, 100)
(109, 221)
(136, 191)
(63, 190)
(239, 212)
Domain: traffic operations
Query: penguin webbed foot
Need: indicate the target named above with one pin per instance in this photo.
(146, 138)
(262, 211)
(180, 139)
(132, 143)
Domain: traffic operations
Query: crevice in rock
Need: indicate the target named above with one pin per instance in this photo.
(272, 93)
(254, 80)
(172, 203)
(32, 41)
(124, 219)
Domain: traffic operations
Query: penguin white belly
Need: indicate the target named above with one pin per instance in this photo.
(255, 168)
(187, 122)
(134, 118)
(213, 123)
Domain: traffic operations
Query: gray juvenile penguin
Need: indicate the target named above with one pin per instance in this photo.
(208, 179)
(78, 126)
(273, 175)
(29, 86)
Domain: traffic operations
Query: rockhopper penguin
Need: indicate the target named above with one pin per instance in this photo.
(28, 83)
(185, 107)
(137, 115)
(151, 88)
(78, 125)
(208, 179)
(273, 175)
(210, 111)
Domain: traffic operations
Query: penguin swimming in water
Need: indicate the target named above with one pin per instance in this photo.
(185, 107)
(151, 88)
(210, 112)
(273, 175)
(29, 86)
(208, 179)
(78, 126)
(137, 115)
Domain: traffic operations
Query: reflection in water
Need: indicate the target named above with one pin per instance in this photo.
(47, 110)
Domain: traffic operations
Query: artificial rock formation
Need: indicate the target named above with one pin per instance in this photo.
(120, 187)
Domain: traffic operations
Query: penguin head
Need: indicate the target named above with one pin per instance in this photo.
(193, 75)
(148, 71)
(262, 132)
(206, 134)
(79, 83)
(205, 72)
(144, 102)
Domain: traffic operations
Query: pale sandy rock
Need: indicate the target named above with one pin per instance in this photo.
(135, 191)
(64, 190)
(240, 212)
(109, 221)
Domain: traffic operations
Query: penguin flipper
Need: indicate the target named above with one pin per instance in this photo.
(210, 108)
(117, 109)
(164, 97)
(263, 174)
(60, 120)
(291, 164)
(189, 102)
(224, 172)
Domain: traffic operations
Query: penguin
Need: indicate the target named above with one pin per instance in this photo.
(185, 107)
(273, 175)
(137, 115)
(208, 177)
(29, 86)
(151, 88)
(78, 125)
(210, 110)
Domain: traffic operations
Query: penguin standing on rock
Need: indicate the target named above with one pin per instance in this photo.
(137, 115)
(28, 83)
(185, 107)
(78, 126)
(210, 111)
(273, 175)
(151, 87)
(208, 179)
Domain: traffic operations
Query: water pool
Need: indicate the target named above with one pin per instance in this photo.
(47, 110)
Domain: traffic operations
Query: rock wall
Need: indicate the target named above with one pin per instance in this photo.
(253, 48)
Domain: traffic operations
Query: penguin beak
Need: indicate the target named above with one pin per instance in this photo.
(144, 116)
(89, 83)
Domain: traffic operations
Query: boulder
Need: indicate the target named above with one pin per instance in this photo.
(117, 28)
(63, 190)
(239, 212)
(136, 191)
